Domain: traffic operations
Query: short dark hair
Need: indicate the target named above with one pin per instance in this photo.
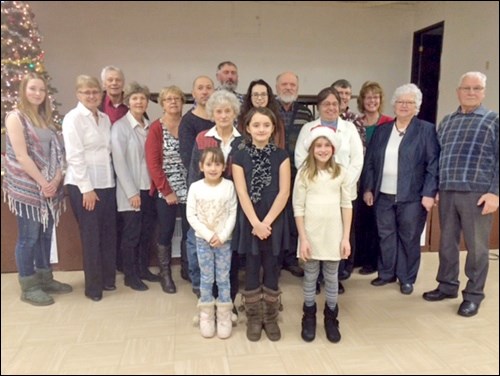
(344, 84)
(214, 153)
(227, 62)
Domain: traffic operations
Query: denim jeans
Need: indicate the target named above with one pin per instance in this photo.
(214, 262)
(33, 243)
(194, 267)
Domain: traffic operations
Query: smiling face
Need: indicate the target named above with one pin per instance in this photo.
(405, 106)
(470, 93)
(213, 168)
(260, 128)
(35, 91)
(259, 96)
(138, 104)
(371, 102)
(322, 151)
(224, 116)
(203, 87)
(329, 108)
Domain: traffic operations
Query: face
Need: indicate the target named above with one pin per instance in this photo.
(287, 88)
(138, 104)
(322, 150)
(405, 106)
(470, 93)
(90, 97)
(371, 102)
(224, 116)
(202, 90)
(329, 108)
(345, 96)
(212, 170)
(171, 103)
(228, 77)
(259, 96)
(35, 91)
(114, 82)
(260, 129)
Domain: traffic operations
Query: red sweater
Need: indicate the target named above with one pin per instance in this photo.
(154, 160)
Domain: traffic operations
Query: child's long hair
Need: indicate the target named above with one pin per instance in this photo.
(310, 168)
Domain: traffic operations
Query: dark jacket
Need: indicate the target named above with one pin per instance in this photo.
(418, 161)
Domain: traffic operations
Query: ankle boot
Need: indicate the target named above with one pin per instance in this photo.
(184, 263)
(207, 319)
(135, 283)
(332, 324)
(271, 310)
(253, 307)
(49, 285)
(309, 323)
(224, 323)
(165, 258)
(32, 292)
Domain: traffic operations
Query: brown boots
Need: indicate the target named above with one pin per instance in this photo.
(262, 309)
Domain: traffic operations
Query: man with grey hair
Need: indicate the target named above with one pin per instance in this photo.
(227, 75)
(294, 115)
(468, 193)
(113, 82)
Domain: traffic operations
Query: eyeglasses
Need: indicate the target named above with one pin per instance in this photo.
(405, 103)
(89, 93)
(374, 98)
(172, 99)
(259, 95)
(475, 89)
(328, 104)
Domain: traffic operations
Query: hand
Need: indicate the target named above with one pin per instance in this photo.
(489, 202)
(345, 249)
(215, 241)
(262, 231)
(89, 200)
(427, 203)
(49, 189)
(305, 250)
(135, 201)
(171, 199)
(368, 198)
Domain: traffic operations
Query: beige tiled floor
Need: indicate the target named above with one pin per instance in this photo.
(129, 332)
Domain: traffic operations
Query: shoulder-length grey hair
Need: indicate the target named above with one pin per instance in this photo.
(135, 88)
(222, 98)
(408, 89)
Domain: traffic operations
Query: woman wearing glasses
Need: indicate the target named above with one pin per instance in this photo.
(260, 94)
(400, 179)
(90, 181)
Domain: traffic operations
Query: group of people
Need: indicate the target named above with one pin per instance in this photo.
(253, 178)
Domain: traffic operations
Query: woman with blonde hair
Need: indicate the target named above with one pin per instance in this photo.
(32, 185)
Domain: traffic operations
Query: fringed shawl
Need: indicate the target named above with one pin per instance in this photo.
(20, 188)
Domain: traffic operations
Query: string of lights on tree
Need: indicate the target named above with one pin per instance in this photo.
(21, 54)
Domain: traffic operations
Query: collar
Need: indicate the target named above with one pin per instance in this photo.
(481, 110)
(134, 123)
(212, 132)
(86, 112)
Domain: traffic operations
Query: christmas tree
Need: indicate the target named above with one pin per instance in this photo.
(21, 54)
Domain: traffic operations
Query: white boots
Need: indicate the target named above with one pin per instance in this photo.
(207, 319)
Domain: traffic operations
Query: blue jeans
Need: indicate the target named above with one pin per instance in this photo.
(214, 261)
(33, 243)
(194, 267)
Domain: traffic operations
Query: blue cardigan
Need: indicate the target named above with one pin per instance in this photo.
(418, 161)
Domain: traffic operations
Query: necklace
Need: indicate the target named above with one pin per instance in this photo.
(401, 133)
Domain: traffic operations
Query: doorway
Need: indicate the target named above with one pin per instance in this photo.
(426, 67)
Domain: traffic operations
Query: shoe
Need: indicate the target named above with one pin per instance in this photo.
(365, 270)
(406, 288)
(94, 298)
(109, 287)
(341, 288)
(296, 270)
(135, 284)
(343, 275)
(381, 282)
(437, 295)
(468, 309)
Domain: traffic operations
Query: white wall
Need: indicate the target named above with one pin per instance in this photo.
(164, 43)
(470, 44)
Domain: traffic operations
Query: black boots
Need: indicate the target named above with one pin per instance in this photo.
(164, 259)
(143, 267)
(332, 324)
(309, 323)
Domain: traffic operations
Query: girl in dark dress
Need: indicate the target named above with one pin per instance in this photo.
(261, 174)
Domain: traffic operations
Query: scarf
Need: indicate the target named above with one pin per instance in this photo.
(261, 172)
(21, 189)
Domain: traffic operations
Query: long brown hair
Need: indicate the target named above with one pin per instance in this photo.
(42, 117)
